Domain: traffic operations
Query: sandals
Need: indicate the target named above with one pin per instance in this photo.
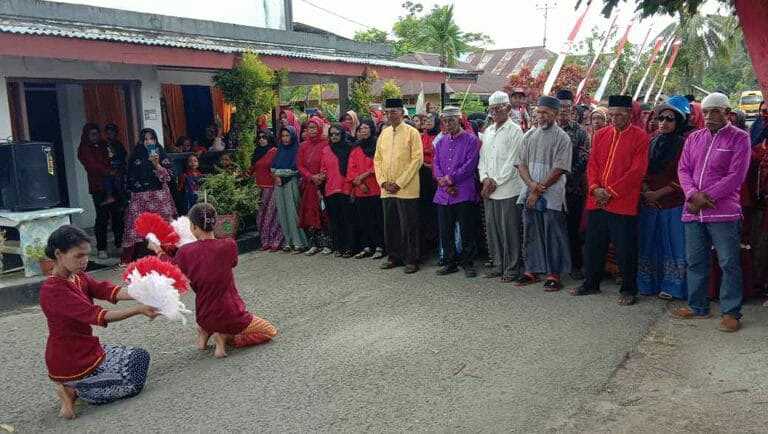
(627, 300)
(581, 290)
(527, 279)
(552, 285)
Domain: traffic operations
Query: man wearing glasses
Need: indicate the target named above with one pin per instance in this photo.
(397, 161)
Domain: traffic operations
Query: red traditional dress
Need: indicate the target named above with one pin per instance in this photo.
(308, 162)
(218, 307)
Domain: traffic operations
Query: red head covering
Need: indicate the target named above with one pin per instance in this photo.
(320, 137)
(637, 115)
(292, 121)
(697, 115)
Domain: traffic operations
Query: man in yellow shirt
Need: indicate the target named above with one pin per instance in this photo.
(398, 158)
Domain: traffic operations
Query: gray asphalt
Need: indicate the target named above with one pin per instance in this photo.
(359, 349)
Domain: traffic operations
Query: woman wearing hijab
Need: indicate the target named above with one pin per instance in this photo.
(288, 119)
(350, 122)
(261, 171)
(149, 172)
(311, 215)
(286, 180)
(428, 210)
(334, 165)
(661, 263)
(366, 192)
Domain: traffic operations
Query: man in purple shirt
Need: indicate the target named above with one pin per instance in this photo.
(455, 164)
(712, 169)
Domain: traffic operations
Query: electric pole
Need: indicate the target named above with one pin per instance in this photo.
(545, 6)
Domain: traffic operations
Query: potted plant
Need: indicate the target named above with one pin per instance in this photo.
(36, 252)
(234, 199)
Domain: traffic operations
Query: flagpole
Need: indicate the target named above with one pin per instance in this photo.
(614, 62)
(606, 36)
(636, 62)
(564, 52)
(656, 47)
(661, 62)
(675, 49)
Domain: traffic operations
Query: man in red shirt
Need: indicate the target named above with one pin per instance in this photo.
(615, 172)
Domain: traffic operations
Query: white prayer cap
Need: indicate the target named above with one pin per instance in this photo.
(715, 99)
(498, 97)
(450, 110)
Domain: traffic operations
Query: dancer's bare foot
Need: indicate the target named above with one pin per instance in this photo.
(67, 396)
(202, 339)
(221, 345)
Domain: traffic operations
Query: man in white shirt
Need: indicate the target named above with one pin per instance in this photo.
(501, 187)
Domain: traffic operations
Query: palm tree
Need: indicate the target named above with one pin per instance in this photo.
(440, 34)
(706, 40)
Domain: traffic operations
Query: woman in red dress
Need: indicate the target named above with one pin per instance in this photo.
(219, 310)
(79, 364)
(311, 209)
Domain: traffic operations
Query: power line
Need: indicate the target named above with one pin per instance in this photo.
(337, 15)
(545, 6)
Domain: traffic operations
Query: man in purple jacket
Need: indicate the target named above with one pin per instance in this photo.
(712, 169)
(455, 164)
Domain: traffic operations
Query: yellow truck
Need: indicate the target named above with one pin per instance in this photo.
(749, 102)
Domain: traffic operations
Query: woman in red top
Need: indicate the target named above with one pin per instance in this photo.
(334, 165)
(312, 180)
(366, 192)
(428, 209)
(80, 365)
(219, 310)
(261, 171)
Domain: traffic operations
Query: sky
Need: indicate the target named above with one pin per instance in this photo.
(510, 23)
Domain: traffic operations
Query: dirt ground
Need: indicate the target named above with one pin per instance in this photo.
(685, 376)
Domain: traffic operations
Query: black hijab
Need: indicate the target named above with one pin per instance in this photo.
(666, 147)
(368, 145)
(341, 149)
(436, 129)
(261, 151)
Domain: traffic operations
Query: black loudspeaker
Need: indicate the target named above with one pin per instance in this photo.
(28, 179)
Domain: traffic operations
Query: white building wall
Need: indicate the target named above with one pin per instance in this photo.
(72, 117)
(72, 105)
(5, 109)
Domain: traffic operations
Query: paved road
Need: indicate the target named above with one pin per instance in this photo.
(359, 349)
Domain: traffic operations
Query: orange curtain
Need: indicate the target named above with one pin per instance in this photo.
(221, 109)
(104, 104)
(176, 117)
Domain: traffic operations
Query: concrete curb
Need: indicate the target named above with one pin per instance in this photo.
(28, 293)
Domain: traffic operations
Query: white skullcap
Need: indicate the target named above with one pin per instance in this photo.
(498, 97)
(716, 100)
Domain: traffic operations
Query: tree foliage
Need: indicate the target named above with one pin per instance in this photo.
(469, 102)
(390, 89)
(653, 7)
(251, 87)
(569, 78)
(361, 92)
(434, 32)
(371, 36)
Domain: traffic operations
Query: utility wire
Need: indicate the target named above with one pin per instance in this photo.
(337, 15)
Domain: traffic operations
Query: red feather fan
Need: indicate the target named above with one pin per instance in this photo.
(151, 263)
(151, 223)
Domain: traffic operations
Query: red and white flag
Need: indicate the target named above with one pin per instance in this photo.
(667, 46)
(636, 62)
(675, 49)
(555, 71)
(651, 61)
(614, 62)
(606, 36)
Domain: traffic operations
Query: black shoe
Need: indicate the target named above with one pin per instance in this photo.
(411, 268)
(470, 272)
(581, 290)
(448, 269)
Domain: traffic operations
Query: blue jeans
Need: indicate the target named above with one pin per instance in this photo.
(725, 237)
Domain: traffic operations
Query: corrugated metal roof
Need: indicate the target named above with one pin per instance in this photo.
(67, 29)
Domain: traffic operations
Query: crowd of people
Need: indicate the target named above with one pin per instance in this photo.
(670, 201)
